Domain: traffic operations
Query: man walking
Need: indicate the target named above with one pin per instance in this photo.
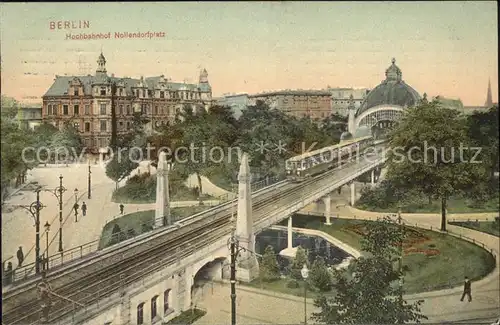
(20, 256)
(467, 290)
(121, 208)
(84, 209)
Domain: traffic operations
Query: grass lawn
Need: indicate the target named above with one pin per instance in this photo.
(136, 220)
(455, 205)
(427, 261)
(489, 227)
(221, 181)
(182, 193)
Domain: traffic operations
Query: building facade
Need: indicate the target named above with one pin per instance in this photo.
(341, 99)
(29, 117)
(237, 102)
(85, 101)
(383, 105)
(315, 104)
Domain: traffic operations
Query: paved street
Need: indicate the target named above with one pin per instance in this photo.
(18, 227)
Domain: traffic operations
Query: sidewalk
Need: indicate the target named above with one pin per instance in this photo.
(18, 226)
(445, 305)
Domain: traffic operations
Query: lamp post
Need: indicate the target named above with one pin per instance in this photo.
(47, 229)
(400, 260)
(59, 196)
(305, 274)
(34, 210)
(76, 205)
(90, 183)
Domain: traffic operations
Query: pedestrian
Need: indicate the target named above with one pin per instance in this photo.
(9, 273)
(84, 209)
(76, 206)
(121, 208)
(467, 290)
(20, 256)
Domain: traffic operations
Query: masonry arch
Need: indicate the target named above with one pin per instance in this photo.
(204, 277)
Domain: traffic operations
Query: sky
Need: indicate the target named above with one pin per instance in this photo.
(443, 48)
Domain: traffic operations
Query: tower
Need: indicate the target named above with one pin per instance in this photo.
(489, 99)
(248, 267)
(203, 77)
(351, 109)
(101, 64)
(162, 210)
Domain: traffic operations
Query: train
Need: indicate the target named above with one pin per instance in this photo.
(315, 162)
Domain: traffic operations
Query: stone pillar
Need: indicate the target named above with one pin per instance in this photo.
(123, 316)
(328, 207)
(290, 232)
(373, 178)
(248, 268)
(162, 210)
(353, 193)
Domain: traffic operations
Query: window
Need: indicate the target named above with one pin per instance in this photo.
(142, 93)
(120, 92)
(166, 295)
(76, 109)
(155, 110)
(154, 301)
(49, 110)
(128, 125)
(103, 91)
(103, 109)
(87, 109)
(75, 91)
(121, 124)
(162, 94)
(77, 126)
(150, 93)
(103, 126)
(65, 109)
(120, 109)
(140, 314)
(128, 109)
(87, 126)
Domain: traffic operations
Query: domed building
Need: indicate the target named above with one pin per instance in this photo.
(383, 105)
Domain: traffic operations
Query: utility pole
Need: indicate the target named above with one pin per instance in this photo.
(37, 229)
(400, 260)
(233, 269)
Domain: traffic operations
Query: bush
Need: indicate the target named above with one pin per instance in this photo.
(293, 284)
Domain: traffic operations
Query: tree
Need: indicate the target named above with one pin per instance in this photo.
(269, 269)
(67, 141)
(320, 275)
(428, 153)
(298, 263)
(9, 107)
(369, 294)
(482, 129)
(43, 139)
(121, 165)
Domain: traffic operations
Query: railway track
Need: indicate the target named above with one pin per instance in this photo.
(97, 284)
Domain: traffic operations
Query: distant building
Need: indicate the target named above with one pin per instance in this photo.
(29, 117)
(341, 99)
(449, 103)
(86, 101)
(237, 102)
(315, 104)
(383, 105)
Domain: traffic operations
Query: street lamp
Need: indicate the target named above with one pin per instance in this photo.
(305, 274)
(47, 229)
(34, 210)
(90, 183)
(76, 205)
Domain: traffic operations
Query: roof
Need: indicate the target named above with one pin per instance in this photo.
(392, 91)
(293, 92)
(326, 149)
(60, 85)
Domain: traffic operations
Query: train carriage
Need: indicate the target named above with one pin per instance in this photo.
(315, 162)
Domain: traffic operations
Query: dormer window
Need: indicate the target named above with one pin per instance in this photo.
(162, 94)
(76, 91)
(143, 93)
(103, 91)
